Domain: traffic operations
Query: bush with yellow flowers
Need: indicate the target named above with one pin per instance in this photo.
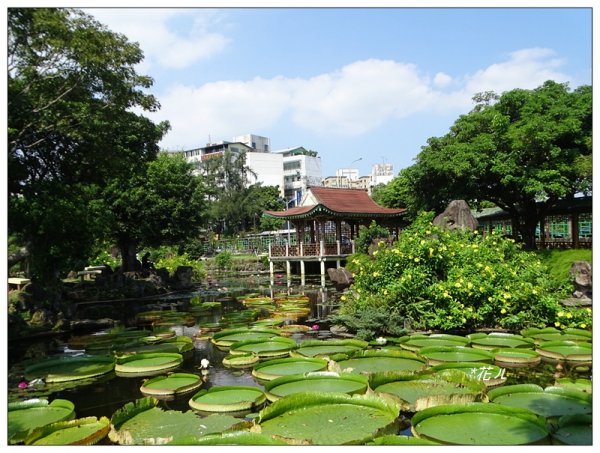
(460, 279)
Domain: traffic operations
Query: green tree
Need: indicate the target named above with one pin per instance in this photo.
(164, 205)
(72, 87)
(522, 151)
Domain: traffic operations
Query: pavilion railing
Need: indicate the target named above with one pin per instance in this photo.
(311, 249)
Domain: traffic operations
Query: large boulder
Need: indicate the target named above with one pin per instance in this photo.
(341, 277)
(456, 215)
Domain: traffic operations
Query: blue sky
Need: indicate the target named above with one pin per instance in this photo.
(350, 83)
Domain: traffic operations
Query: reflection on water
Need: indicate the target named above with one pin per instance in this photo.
(103, 396)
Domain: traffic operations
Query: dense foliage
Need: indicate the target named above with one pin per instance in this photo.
(437, 279)
(523, 151)
(72, 93)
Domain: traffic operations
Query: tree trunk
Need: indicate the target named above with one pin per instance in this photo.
(130, 263)
(527, 225)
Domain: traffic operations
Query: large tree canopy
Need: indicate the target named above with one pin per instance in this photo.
(164, 205)
(522, 151)
(71, 129)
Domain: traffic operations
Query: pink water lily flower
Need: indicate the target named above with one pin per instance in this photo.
(23, 385)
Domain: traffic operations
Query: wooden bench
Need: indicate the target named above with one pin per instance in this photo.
(17, 283)
(88, 273)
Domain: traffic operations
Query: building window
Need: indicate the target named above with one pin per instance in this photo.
(585, 225)
(294, 165)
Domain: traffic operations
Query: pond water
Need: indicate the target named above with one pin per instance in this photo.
(103, 396)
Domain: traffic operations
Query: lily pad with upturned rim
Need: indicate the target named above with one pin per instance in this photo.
(417, 342)
(240, 360)
(172, 384)
(498, 340)
(401, 440)
(64, 369)
(515, 357)
(571, 352)
(436, 355)
(147, 364)
(423, 390)
(272, 369)
(142, 423)
(25, 416)
(275, 347)
(479, 424)
(233, 438)
(329, 418)
(374, 361)
(82, 431)
(490, 375)
(224, 339)
(323, 348)
(320, 381)
(228, 399)
(548, 402)
(574, 430)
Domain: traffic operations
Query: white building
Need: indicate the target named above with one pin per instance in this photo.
(268, 168)
(258, 143)
(301, 169)
(381, 174)
(348, 178)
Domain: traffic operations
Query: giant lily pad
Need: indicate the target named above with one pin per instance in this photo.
(25, 416)
(490, 375)
(320, 348)
(70, 368)
(147, 364)
(436, 355)
(319, 381)
(553, 334)
(584, 385)
(571, 352)
(224, 339)
(515, 357)
(329, 418)
(401, 440)
(370, 361)
(497, 340)
(240, 360)
(574, 430)
(275, 347)
(172, 384)
(82, 431)
(549, 402)
(228, 399)
(416, 342)
(419, 391)
(142, 423)
(479, 424)
(272, 369)
(233, 438)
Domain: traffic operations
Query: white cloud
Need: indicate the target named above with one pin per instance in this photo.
(354, 100)
(150, 28)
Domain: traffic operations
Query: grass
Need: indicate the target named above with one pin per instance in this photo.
(559, 261)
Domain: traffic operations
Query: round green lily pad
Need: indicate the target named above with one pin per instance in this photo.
(479, 424)
(147, 364)
(436, 355)
(549, 402)
(502, 340)
(401, 440)
(516, 357)
(224, 339)
(369, 361)
(320, 381)
(571, 352)
(416, 342)
(70, 368)
(228, 399)
(82, 431)
(490, 375)
(574, 430)
(321, 348)
(233, 438)
(329, 418)
(25, 416)
(172, 384)
(240, 360)
(272, 369)
(423, 390)
(266, 348)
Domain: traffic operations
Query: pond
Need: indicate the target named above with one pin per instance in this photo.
(104, 395)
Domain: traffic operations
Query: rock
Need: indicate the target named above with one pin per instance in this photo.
(581, 273)
(340, 277)
(42, 318)
(457, 215)
(182, 278)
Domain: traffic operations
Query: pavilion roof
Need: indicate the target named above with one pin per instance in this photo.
(335, 202)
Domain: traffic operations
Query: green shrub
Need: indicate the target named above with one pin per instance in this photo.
(366, 236)
(372, 322)
(458, 279)
(224, 260)
(172, 262)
